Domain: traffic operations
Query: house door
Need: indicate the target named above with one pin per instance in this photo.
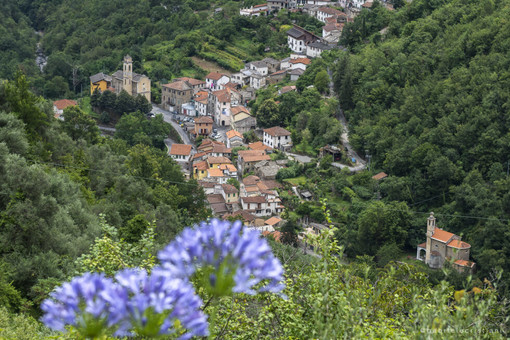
(222, 123)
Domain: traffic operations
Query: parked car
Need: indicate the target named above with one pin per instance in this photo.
(215, 131)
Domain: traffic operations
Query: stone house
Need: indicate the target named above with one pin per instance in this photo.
(196, 84)
(314, 49)
(241, 120)
(327, 12)
(175, 94)
(296, 73)
(215, 81)
(277, 138)
(203, 125)
(60, 105)
(133, 83)
(248, 158)
(273, 65)
(276, 77)
(234, 139)
(301, 63)
(442, 246)
(221, 102)
(298, 38)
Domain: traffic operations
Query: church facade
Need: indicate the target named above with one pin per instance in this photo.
(442, 246)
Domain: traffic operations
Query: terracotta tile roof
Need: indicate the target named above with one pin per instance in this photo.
(202, 99)
(379, 176)
(330, 20)
(277, 131)
(251, 188)
(273, 220)
(259, 146)
(459, 244)
(271, 184)
(180, 149)
(198, 155)
(222, 95)
(422, 245)
(215, 172)
(238, 109)
(367, 4)
(242, 213)
(63, 103)
(192, 81)
(234, 133)
(305, 61)
(244, 153)
(178, 85)
(261, 5)
(251, 180)
(465, 263)
(221, 148)
(254, 199)
(256, 158)
(204, 120)
(229, 167)
(201, 165)
(219, 208)
(229, 189)
(333, 27)
(274, 234)
(215, 76)
(218, 160)
(286, 89)
(232, 86)
(205, 184)
(442, 235)
(262, 186)
(278, 72)
(215, 198)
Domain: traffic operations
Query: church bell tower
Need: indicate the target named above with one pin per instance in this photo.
(127, 73)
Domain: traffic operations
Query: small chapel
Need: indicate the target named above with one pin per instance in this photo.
(442, 246)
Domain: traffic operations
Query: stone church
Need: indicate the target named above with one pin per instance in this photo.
(442, 245)
(133, 83)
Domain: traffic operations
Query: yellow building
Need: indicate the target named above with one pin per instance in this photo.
(100, 82)
(200, 170)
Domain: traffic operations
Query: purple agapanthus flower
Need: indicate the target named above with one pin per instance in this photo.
(232, 259)
(81, 303)
(152, 303)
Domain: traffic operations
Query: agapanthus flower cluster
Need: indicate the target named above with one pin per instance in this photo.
(82, 303)
(222, 257)
(151, 304)
(232, 259)
(135, 304)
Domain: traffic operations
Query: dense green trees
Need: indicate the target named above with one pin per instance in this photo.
(430, 104)
(57, 177)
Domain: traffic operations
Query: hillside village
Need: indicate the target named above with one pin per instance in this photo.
(238, 174)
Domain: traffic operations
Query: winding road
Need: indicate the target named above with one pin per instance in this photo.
(167, 117)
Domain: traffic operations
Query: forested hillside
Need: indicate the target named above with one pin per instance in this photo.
(166, 39)
(429, 100)
(61, 181)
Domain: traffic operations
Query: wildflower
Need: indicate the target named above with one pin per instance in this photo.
(154, 304)
(224, 257)
(80, 303)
